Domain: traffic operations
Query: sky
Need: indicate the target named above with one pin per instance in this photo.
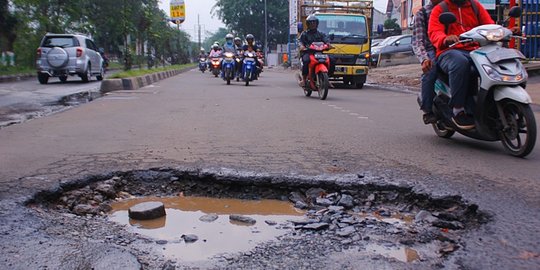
(193, 7)
(212, 23)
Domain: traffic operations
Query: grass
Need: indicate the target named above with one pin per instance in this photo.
(142, 72)
(4, 70)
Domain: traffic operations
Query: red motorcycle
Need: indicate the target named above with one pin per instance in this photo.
(215, 66)
(317, 79)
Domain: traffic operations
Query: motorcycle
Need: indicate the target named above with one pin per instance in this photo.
(202, 64)
(228, 67)
(215, 63)
(249, 67)
(317, 79)
(502, 111)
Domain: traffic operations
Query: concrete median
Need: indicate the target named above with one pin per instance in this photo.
(135, 83)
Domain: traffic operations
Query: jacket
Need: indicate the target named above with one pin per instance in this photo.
(466, 20)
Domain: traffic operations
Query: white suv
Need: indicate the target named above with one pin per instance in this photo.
(60, 55)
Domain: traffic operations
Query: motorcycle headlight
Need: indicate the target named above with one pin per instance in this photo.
(492, 35)
(494, 75)
(229, 55)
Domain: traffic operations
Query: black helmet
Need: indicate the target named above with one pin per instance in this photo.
(250, 37)
(311, 19)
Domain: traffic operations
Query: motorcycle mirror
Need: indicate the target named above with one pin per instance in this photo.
(447, 18)
(332, 36)
(300, 27)
(515, 12)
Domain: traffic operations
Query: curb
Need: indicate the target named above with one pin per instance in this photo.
(134, 83)
(17, 77)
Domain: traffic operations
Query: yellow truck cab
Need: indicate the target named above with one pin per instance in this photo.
(346, 24)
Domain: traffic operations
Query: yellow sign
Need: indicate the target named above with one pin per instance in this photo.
(178, 11)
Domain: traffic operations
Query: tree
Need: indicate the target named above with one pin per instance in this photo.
(247, 17)
(392, 24)
(111, 24)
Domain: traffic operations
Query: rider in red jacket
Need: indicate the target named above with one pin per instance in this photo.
(456, 61)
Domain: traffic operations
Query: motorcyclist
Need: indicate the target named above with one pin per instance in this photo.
(238, 44)
(250, 46)
(456, 61)
(214, 53)
(425, 52)
(228, 46)
(305, 40)
(202, 53)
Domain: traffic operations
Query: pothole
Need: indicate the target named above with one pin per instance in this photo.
(295, 222)
(211, 223)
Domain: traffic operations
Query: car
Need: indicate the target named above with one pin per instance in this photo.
(375, 42)
(63, 55)
(394, 49)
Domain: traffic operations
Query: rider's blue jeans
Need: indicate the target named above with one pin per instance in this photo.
(457, 64)
(428, 85)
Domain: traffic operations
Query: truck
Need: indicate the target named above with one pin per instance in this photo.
(347, 24)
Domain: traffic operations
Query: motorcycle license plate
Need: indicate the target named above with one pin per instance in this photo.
(249, 59)
(320, 56)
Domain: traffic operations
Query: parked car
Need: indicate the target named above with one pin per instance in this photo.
(63, 55)
(396, 49)
(376, 42)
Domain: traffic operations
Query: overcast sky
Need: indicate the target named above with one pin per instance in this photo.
(212, 23)
(194, 7)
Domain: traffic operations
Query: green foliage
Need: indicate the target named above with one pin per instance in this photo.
(218, 36)
(110, 23)
(247, 17)
(391, 24)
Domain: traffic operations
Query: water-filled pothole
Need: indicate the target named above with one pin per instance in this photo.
(337, 216)
(209, 220)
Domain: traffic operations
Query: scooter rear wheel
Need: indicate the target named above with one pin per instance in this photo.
(520, 136)
(441, 131)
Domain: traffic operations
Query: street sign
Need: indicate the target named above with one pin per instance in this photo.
(293, 17)
(178, 11)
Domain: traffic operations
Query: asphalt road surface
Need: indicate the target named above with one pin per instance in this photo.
(195, 120)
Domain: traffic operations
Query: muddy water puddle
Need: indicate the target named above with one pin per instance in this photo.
(215, 237)
(403, 254)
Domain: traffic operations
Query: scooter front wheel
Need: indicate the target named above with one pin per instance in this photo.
(519, 137)
(322, 86)
(441, 131)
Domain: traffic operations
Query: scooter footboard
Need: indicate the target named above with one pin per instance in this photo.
(515, 92)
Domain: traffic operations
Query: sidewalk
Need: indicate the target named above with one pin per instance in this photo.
(408, 77)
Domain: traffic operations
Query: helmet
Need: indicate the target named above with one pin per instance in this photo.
(215, 46)
(312, 20)
(229, 36)
(250, 38)
(237, 40)
(216, 43)
(202, 50)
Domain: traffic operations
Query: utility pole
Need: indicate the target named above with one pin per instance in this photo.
(199, 29)
(265, 33)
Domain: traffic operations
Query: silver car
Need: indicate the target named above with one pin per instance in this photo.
(60, 55)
